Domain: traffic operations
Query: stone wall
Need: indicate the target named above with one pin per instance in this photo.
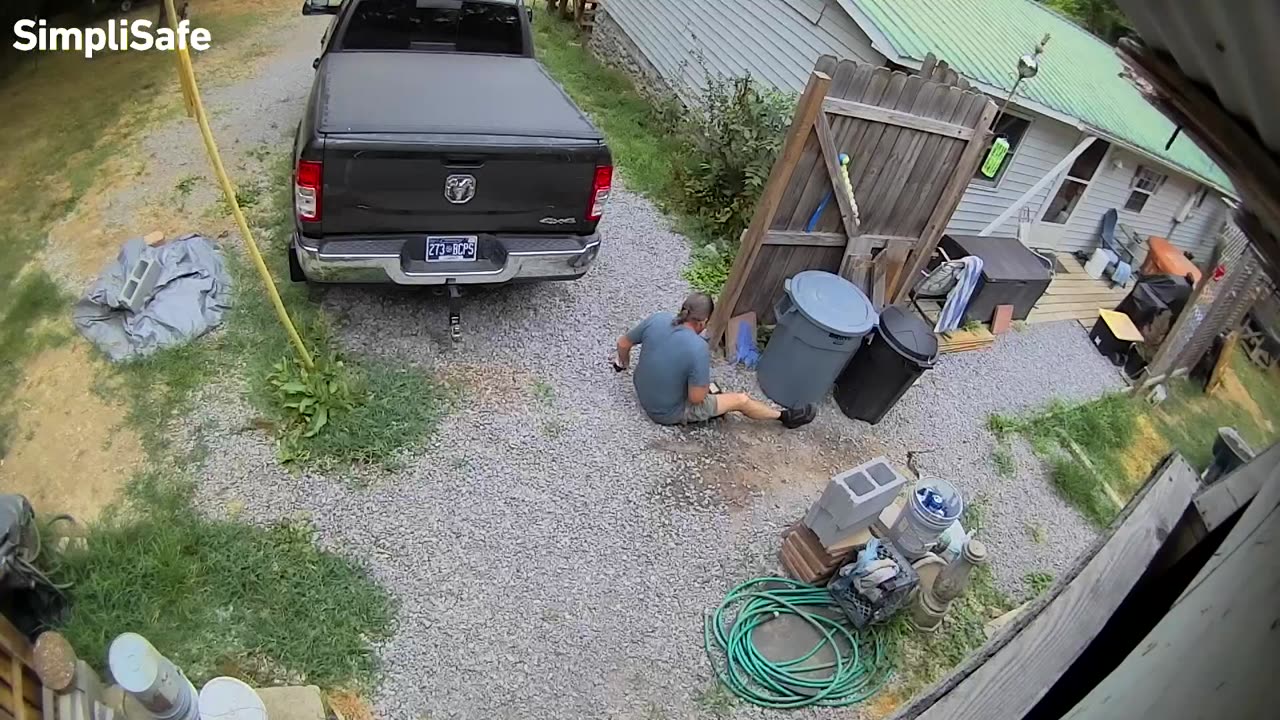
(612, 46)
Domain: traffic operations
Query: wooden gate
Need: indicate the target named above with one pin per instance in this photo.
(914, 144)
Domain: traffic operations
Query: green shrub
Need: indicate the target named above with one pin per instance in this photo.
(708, 270)
(728, 143)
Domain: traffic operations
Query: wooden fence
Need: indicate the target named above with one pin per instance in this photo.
(914, 143)
(21, 692)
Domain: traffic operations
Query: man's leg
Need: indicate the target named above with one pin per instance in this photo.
(745, 404)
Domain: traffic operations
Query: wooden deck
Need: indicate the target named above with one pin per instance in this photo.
(1073, 295)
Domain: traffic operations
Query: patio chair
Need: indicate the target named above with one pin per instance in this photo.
(1120, 268)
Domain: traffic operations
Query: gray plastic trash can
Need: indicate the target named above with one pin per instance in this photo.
(821, 321)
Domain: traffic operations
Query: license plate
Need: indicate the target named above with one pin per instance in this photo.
(451, 248)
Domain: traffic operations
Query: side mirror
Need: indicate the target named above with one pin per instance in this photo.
(321, 7)
(529, 11)
(315, 64)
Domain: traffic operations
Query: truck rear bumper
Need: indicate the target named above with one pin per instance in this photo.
(401, 259)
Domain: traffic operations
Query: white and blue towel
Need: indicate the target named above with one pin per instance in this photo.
(958, 298)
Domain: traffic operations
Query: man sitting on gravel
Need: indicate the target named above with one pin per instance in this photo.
(673, 377)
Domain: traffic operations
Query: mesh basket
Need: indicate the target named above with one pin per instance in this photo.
(861, 610)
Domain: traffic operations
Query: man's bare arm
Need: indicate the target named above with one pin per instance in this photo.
(697, 394)
(624, 353)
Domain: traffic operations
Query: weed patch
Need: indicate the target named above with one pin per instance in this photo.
(219, 597)
(1084, 445)
(1037, 581)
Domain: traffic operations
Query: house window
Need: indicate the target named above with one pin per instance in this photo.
(1081, 173)
(1012, 128)
(1146, 182)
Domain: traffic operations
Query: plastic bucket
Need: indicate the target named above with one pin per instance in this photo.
(918, 528)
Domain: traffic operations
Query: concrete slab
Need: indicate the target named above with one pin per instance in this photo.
(788, 637)
(293, 702)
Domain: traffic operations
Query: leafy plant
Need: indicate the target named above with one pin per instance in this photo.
(1002, 459)
(728, 143)
(1038, 581)
(709, 270)
(309, 399)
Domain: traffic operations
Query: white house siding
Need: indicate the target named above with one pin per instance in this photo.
(1110, 189)
(1046, 142)
(775, 41)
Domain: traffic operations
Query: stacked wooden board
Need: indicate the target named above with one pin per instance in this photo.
(978, 338)
(805, 558)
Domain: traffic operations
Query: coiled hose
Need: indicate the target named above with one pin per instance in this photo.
(859, 669)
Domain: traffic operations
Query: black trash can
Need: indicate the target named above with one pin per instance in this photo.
(902, 348)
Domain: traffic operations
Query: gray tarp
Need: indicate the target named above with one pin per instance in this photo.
(190, 297)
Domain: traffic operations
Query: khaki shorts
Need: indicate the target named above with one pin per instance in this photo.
(701, 412)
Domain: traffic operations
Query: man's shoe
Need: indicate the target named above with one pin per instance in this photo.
(797, 417)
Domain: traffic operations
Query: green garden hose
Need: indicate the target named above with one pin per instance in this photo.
(858, 670)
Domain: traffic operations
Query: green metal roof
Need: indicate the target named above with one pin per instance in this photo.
(1079, 77)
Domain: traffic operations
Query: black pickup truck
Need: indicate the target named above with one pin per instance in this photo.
(435, 150)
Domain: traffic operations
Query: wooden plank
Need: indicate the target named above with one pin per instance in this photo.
(16, 700)
(814, 239)
(1212, 654)
(809, 185)
(1106, 300)
(848, 214)
(15, 643)
(894, 257)
(886, 115)
(1224, 360)
(927, 65)
(955, 187)
(807, 109)
(886, 170)
(903, 156)
(826, 239)
(1218, 502)
(30, 690)
(946, 102)
(1018, 666)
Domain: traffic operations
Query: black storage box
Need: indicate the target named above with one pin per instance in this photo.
(1011, 275)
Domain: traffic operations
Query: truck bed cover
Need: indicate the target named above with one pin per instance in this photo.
(416, 92)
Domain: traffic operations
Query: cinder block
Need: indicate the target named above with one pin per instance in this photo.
(853, 500)
(142, 280)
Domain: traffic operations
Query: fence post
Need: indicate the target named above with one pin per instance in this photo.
(807, 109)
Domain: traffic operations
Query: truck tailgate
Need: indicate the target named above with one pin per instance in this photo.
(396, 182)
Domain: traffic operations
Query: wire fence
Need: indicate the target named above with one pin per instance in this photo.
(1218, 304)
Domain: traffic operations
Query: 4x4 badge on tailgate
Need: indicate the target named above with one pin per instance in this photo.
(459, 189)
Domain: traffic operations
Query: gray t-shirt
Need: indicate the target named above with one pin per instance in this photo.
(673, 359)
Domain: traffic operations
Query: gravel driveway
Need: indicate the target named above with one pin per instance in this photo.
(552, 550)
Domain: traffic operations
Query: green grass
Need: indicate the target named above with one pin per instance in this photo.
(1035, 531)
(399, 405)
(636, 132)
(922, 658)
(1189, 419)
(716, 700)
(1002, 460)
(639, 135)
(1102, 429)
(221, 597)
(1037, 581)
(50, 155)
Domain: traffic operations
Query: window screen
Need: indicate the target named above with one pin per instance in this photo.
(477, 27)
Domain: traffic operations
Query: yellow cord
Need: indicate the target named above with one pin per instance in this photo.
(187, 78)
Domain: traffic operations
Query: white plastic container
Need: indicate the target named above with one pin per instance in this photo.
(151, 678)
(1097, 263)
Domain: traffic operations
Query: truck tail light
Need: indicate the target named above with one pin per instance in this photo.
(307, 189)
(600, 188)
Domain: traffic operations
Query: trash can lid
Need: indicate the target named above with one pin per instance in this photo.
(909, 335)
(832, 303)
